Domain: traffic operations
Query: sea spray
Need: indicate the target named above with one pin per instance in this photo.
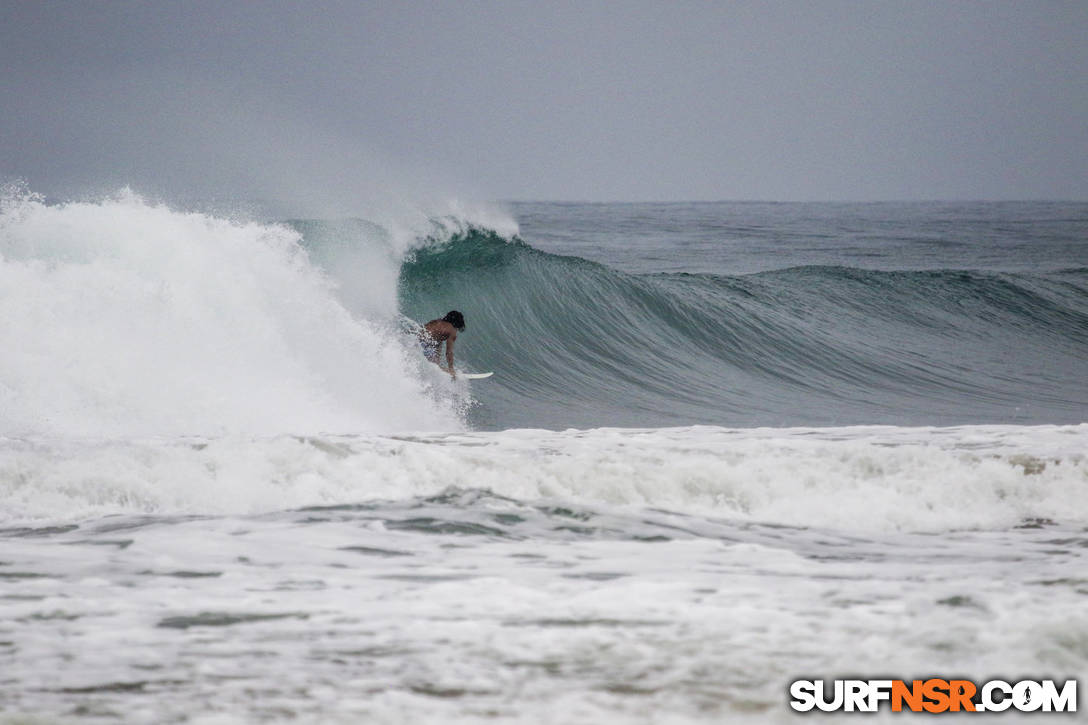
(123, 317)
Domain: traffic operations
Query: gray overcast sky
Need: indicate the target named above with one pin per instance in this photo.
(582, 101)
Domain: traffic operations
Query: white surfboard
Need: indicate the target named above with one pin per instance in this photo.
(474, 376)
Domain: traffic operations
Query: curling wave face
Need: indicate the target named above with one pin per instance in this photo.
(582, 344)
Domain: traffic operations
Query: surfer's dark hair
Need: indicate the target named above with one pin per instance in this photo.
(456, 319)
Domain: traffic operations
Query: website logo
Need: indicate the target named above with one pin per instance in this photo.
(933, 695)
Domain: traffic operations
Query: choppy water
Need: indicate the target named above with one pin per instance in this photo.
(232, 492)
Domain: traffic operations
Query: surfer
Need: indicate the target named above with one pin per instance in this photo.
(436, 332)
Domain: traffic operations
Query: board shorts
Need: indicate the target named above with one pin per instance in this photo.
(430, 348)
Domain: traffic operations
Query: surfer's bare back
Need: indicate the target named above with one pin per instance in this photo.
(436, 332)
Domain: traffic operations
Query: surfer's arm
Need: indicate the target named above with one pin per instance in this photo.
(449, 355)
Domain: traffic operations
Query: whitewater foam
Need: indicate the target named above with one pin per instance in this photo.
(849, 479)
(124, 317)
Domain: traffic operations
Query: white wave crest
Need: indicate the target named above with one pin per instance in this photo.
(123, 317)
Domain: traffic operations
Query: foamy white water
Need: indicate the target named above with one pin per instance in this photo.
(124, 317)
(859, 479)
(581, 576)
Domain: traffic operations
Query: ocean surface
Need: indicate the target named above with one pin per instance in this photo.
(726, 446)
